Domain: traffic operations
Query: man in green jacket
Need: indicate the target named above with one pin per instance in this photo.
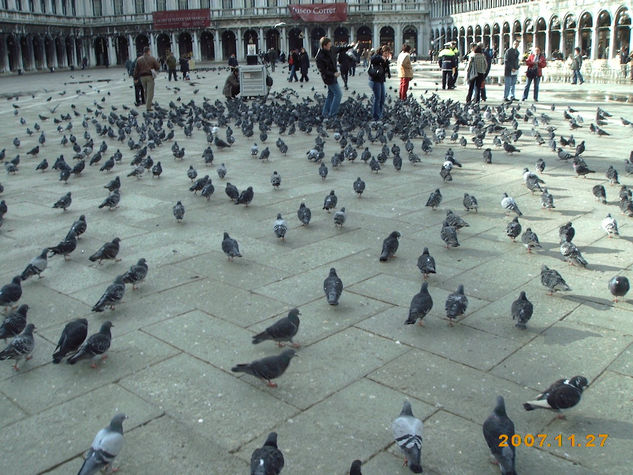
(448, 63)
(171, 65)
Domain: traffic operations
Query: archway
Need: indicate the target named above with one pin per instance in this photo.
(295, 39)
(410, 37)
(26, 60)
(59, 52)
(207, 48)
(49, 49)
(163, 44)
(496, 37)
(569, 35)
(69, 51)
(315, 37)
(272, 39)
(506, 36)
(478, 34)
(441, 39)
(12, 50)
(554, 38)
(250, 38)
(341, 35)
(623, 29)
(185, 44)
(528, 35)
(604, 30)
(541, 26)
(585, 24)
(229, 46)
(387, 36)
(462, 41)
(516, 30)
(38, 53)
(121, 49)
(364, 36)
(141, 42)
(486, 38)
(470, 38)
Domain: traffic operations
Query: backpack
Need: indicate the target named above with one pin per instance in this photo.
(375, 72)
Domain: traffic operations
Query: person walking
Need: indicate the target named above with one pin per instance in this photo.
(293, 63)
(326, 64)
(511, 71)
(535, 63)
(456, 70)
(139, 95)
(378, 71)
(272, 57)
(184, 67)
(475, 72)
(143, 71)
(447, 63)
(366, 55)
(576, 64)
(345, 65)
(171, 66)
(405, 70)
(304, 64)
(488, 54)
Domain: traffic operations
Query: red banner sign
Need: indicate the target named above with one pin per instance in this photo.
(319, 12)
(175, 19)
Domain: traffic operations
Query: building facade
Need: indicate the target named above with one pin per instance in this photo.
(42, 34)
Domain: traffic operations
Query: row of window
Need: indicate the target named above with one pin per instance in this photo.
(29, 6)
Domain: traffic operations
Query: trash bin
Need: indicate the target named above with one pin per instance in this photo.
(253, 81)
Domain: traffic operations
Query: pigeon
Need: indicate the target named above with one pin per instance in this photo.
(104, 449)
(11, 292)
(581, 168)
(179, 211)
(3, 208)
(207, 190)
(470, 202)
(157, 170)
(508, 203)
(72, 337)
(108, 251)
(267, 368)
(600, 193)
(20, 347)
(323, 171)
(612, 175)
(407, 432)
(355, 468)
(610, 226)
(572, 254)
(551, 279)
(509, 148)
(275, 180)
(65, 247)
(304, 214)
(96, 345)
(333, 287)
(112, 295)
(112, 201)
(339, 218)
(435, 199)
(230, 247)
(114, 184)
(282, 330)
(231, 191)
(14, 323)
(456, 221)
(566, 232)
(540, 165)
(421, 304)
(389, 246)
(426, 263)
(449, 235)
(267, 460)
(530, 240)
(136, 274)
(36, 266)
(79, 226)
(43, 165)
(521, 310)
(64, 202)
(246, 196)
(547, 200)
(221, 171)
(487, 155)
(359, 187)
(496, 427)
(563, 394)
(618, 286)
(280, 227)
(330, 201)
(456, 305)
(192, 173)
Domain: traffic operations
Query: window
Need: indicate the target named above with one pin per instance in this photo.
(73, 9)
(5, 4)
(249, 3)
(140, 6)
(43, 6)
(54, 7)
(183, 4)
(18, 5)
(31, 6)
(205, 3)
(161, 5)
(96, 8)
(227, 4)
(118, 7)
(64, 8)
(273, 3)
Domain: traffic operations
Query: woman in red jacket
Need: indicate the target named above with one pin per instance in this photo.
(535, 63)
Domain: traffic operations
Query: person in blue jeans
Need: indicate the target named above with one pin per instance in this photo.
(293, 63)
(379, 67)
(326, 64)
(511, 71)
(576, 64)
(535, 63)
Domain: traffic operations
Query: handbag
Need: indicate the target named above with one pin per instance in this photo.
(532, 72)
(375, 72)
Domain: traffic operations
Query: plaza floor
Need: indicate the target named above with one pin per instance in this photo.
(175, 339)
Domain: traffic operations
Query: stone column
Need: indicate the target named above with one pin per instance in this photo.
(548, 42)
(217, 47)
(397, 40)
(152, 45)
(306, 38)
(111, 52)
(375, 36)
(239, 50)
(89, 48)
(352, 34)
(612, 38)
(31, 52)
(261, 41)
(20, 60)
(283, 40)
(174, 46)
(131, 48)
(578, 42)
(594, 41)
(73, 53)
(196, 46)
(4, 61)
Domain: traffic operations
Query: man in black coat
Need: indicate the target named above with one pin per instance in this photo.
(326, 64)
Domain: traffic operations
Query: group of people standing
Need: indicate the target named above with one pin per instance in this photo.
(298, 60)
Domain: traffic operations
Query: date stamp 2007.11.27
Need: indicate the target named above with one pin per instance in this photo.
(547, 440)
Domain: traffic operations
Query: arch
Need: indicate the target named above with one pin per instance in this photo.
(229, 45)
(496, 29)
(477, 33)
(341, 35)
(623, 29)
(163, 44)
(541, 26)
(121, 49)
(486, 37)
(569, 34)
(59, 52)
(141, 42)
(604, 34)
(506, 27)
(585, 24)
(38, 52)
(12, 51)
(68, 43)
(455, 33)
(410, 36)
(26, 60)
(387, 36)
(315, 36)
(250, 38)
(207, 48)
(469, 38)
(272, 39)
(555, 37)
(101, 50)
(295, 39)
(49, 49)
(185, 44)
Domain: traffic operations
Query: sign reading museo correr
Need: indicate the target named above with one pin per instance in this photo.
(319, 12)
(174, 19)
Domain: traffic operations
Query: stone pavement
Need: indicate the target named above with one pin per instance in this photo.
(176, 338)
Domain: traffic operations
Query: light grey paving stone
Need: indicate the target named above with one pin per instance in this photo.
(389, 462)
(614, 318)
(624, 363)
(9, 412)
(356, 421)
(127, 354)
(41, 356)
(78, 420)
(205, 408)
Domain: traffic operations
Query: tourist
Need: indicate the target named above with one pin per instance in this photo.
(184, 67)
(378, 71)
(232, 84)
(576, 64)
(345, 62)
(293, 62)
(475, 72)
(272, 58)
(144, 72)
(171, 66)
(456, 71)
(405, 70)
(304, 65)
(366, 55)
(233, 61)
(326, 64)
(535, 63)
(511, 71)
(447, 62)
(139, 95)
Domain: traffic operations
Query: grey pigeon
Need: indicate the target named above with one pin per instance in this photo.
(65, 247)
(547, 199)
(280, 227)
(246, 196)
(192, 173)
(521, 310)
(497, 425)
(304, 214)
(333, 287)
(267, 368)
(64, 202)
(221, 171)
(572, 254)
(108, 251)
(112, 296)
(508, 203)
(268, 459)
(551, 279)
(275, 180)
(105, 447)
(563, 394)
(179, 211)
(323, 171)
(230, 247)
(112, 200)
(435, 199)
(21, 347)
(619, 286)
(11, 292)
(426, 263)
(421, 304)
(456, 221)
(339, 218)
(14, 323)
(359, 187)
(73, 335)
(470, 202)
(282, 330)
(530, 240)
(456, 304)
(330, 201)
(513, 229)
(36, 266)
(407, 433)
(79, 226)
(610, 226)
(355, 468)
(389, 246)
(96, 345)
(449, 235)
(136, 274)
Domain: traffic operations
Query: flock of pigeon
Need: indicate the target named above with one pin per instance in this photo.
(430, 122)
